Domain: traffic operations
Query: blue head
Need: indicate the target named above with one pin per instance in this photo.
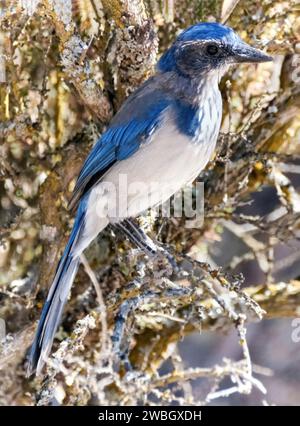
(205, 48)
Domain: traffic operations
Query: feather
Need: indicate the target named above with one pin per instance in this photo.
(128, 131)
(57, 297)
(131, 127)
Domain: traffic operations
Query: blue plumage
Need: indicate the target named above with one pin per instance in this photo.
(207, 31)
(188, 118)
(200, 32)
(165, 134)
(52, 309)
(124, 136)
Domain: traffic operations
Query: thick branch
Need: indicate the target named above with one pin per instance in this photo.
(73, 59)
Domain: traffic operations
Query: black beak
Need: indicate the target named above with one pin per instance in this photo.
(242, 52)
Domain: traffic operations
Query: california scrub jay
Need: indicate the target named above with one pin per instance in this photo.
(165, 132)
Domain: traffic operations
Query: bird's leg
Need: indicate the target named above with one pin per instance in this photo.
(171, 259)
(138, 237)
(144, 242)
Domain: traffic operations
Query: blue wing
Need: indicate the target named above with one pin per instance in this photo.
(131, 126)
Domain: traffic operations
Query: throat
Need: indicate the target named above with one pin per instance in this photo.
(191, 90)
(198, 114)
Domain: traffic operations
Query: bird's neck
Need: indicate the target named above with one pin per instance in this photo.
(197, 107)
(192, 91)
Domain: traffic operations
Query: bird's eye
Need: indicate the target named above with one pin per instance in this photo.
(212, 49)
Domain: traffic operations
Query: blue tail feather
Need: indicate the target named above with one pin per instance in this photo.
(57, 297)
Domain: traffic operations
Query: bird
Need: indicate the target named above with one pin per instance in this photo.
(165, 132)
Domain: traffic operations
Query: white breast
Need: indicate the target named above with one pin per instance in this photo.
(155, 172)
(160, 168)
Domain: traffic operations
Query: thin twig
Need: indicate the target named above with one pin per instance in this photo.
(103, 313)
